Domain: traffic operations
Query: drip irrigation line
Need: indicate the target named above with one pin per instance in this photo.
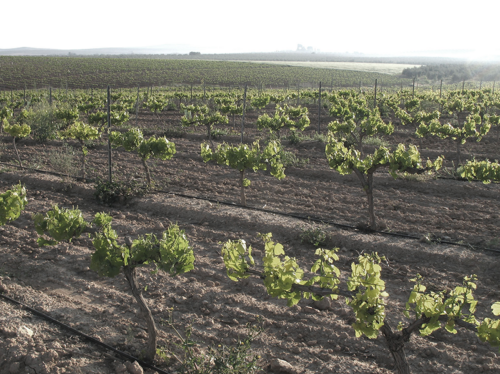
(45, 172)
(83, 335)
(301, 217)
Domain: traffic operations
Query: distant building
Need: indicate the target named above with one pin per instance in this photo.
(194, 53)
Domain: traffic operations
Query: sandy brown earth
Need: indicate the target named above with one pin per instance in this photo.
(312, 338)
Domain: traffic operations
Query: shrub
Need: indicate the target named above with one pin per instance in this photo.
(315, 235)
(44, 126)
(111, 192)
(63, 160)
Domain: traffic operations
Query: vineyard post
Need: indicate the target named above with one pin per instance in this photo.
(375, 98)
(50, 96)
(109, 133)
(191, 93)
(298, 93)
(137, 107)
(463, 86)
(319, 109)
(244, 108)
(24, 94)
(413, 89)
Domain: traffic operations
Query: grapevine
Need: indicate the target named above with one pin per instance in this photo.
(17, 131)
(133, 141)
(345, 151)
(365, 294)
(245, 157)
(12, 203)
(82, 132)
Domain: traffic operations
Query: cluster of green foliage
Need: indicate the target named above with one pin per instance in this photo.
(170, 253)
(108, 192)
(59, 224)
(17, 131)
(198, 115)
(285, 118)
(81, 132)
(469, 118)
(280, 275)
(314, 235)
(485, 171)
(365, 294)
(345, 147)
(134, 141)
(12, 203)
(245, 157)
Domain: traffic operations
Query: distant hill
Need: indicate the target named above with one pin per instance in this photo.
(183, 52)
(27, 51)
(190, 52)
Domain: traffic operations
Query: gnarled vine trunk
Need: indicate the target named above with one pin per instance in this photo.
(367, 184)
(83, 158)
(146, 169)
(131, 275)
(17, 153)
(396, 344)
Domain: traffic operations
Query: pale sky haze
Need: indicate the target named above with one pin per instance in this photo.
(371, 27)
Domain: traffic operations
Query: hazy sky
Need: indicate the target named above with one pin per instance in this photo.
(367, 26)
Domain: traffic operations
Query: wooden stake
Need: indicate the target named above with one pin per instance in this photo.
(109, 133)
(319, 109)
(137, 107)
(244, 108)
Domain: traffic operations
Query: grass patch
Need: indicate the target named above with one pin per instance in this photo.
(376, 141)
(290, 159)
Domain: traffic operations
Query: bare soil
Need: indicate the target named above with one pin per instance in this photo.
(313, 338)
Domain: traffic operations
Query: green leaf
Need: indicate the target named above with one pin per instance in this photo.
(495, 308)
(60, 224)
(12, 203)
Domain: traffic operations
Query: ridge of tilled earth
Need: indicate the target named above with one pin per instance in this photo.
(314, 338)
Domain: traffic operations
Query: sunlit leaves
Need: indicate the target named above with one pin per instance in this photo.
(485, 171)
(61, 224)
(12, 203)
